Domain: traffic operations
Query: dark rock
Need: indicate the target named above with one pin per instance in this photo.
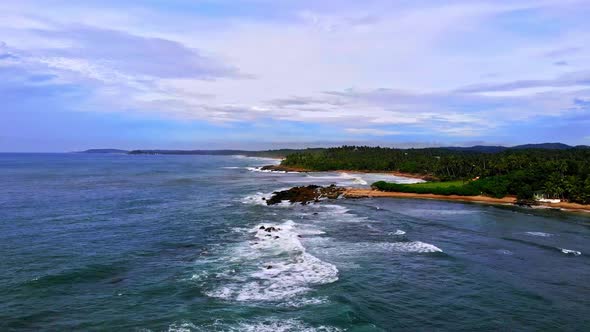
(276, 237)
(269, 267)
(261, 227)
(305, 194)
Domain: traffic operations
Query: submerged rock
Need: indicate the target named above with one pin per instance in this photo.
(305, 194)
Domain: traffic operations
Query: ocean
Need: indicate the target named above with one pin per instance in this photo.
(174, 243)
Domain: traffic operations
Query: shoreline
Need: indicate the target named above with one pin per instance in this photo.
(509, 200)
(395, 173)
(370, 193)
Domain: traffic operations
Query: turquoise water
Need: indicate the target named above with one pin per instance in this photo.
(172, 243)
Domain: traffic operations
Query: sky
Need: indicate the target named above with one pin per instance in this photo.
(257, 74)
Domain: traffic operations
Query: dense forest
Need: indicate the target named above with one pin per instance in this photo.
(557, 173)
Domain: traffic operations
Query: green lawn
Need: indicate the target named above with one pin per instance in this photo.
(435, 185)
(439, 188)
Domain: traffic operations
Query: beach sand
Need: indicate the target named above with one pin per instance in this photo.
(508, 200)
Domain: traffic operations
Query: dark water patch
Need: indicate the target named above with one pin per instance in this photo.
(87, 274)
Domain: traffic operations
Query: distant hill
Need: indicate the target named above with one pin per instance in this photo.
(497, 148)
(478, 148)
(104, 151)
(545, 146)
(280, 153)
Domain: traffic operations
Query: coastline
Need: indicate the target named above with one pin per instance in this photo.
(509, 200)
(395, 173)
(370, 193)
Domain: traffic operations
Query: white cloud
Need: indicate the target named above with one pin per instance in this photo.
(406, 65)
(371, 131)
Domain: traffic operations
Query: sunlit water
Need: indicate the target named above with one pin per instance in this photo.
(173, 243)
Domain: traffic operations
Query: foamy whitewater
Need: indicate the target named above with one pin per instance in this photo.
(280, 267)
(188, 243)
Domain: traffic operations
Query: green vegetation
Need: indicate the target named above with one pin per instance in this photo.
(436, 185)
(493, 186)
(439, 188)
(563, 173)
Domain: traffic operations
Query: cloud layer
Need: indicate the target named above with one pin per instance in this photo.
(399, 71)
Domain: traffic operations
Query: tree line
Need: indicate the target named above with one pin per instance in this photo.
(563, 174)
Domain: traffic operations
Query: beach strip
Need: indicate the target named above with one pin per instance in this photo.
(508, 200)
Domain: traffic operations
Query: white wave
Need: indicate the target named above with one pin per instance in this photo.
(302, 302)
(260, 170)
(257, 199)
(338, 213)
(231, 167)
(541, 234)
(505, 252)
(374, 177)
(284, 268)
(183, 326)
(571, 252)
(340, 179)
(413, 247)
(354, 179)
(289, 325)
(398, 232)
(260, 325)
(335, 209)
(260, 198)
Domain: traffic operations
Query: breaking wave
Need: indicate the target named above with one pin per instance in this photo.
(262, 325)
(260, 170)
(281, 268)
(541, 234)
(571, 252)
(412, 247)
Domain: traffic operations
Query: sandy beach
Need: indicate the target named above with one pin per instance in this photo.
(508, 200)
(305, 170)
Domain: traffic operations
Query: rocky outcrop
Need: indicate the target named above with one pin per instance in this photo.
(306, 194)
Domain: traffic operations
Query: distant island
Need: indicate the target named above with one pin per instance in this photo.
(104, 151)
(279, 153)
(285, 152)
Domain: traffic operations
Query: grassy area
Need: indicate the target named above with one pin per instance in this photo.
(434, 185)
(494, 186)
(440, 188)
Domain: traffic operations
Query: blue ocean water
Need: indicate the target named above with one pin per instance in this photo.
(173, 243)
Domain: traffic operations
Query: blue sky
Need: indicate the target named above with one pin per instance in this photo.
(256, 74)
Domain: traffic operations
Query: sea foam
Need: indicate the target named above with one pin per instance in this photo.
(261, 170)
(541, 234)
(571, 252)
(412, 247)
(260, 325)
(282, 269)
